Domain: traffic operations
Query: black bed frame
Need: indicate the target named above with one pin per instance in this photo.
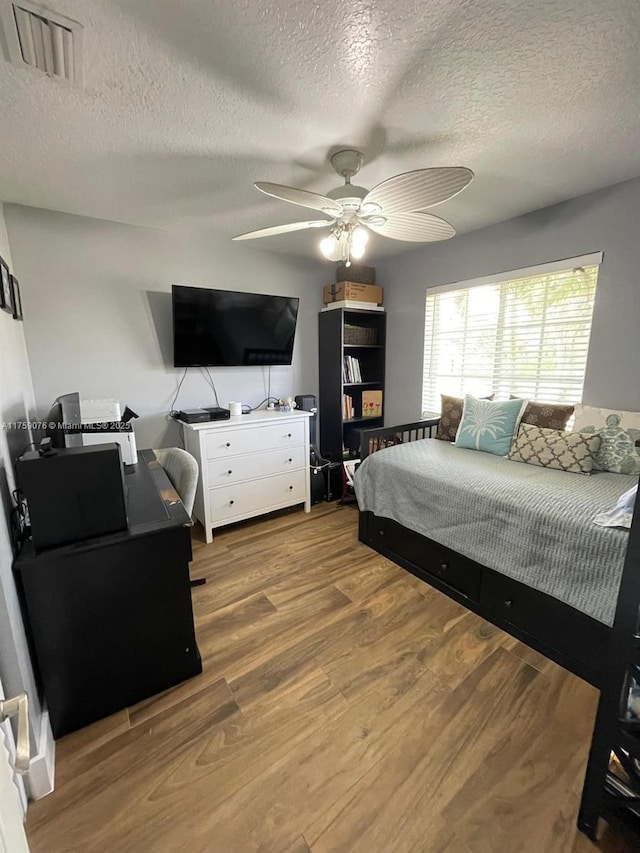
(570, 638)
(608, 658)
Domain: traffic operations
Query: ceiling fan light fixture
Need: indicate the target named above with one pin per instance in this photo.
(359, 236)
(345, 242)
(330, 248)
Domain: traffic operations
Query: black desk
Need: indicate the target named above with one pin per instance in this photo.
(110, 618)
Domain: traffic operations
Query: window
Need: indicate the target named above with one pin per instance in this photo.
(524, 333)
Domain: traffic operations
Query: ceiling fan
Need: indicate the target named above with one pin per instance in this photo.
(393, 208)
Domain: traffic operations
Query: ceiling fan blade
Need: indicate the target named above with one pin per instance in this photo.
(414, 227)
(413, 191)
(301, 197)
(283, 229)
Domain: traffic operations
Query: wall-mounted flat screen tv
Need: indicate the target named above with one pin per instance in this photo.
(225, 328)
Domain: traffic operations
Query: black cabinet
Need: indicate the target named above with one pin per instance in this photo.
(110, 619)
(359, 335)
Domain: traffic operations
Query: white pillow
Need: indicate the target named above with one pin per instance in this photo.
(618, 431)
(622, 513)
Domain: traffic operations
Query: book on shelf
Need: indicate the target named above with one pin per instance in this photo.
(351, 369)
(347, 407)
(355, 364)
(371, 404)
(354, 305)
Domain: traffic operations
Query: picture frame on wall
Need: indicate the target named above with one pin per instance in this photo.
(16, 298)
(6, 302)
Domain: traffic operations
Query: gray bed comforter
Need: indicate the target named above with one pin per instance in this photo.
(533, 524)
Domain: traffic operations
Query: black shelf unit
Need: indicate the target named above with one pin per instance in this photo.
(361, 384)
(612, 782)
(340, 436)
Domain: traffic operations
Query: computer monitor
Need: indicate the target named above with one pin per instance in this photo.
(64, 422)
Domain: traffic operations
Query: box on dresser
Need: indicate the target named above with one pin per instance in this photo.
(249, 465)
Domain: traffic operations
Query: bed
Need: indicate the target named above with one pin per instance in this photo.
(513, 542)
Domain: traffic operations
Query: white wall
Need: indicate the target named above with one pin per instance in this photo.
(16, 405)
(606, 220)
(97, 307)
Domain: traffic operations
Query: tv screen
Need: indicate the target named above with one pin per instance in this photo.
(223, 328)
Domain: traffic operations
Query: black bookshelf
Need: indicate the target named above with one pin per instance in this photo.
(340, 436)
(612, 783)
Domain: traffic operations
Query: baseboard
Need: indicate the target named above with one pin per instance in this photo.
(41, 776)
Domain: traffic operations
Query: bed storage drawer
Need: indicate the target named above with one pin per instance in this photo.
(534, 614)
(560, 632)
(515, 603)
(428, 559)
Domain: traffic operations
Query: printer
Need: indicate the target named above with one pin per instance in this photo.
(102, 421)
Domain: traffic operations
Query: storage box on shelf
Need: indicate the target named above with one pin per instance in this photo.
(356, 272)
(360, 334)
(353, 290)
(249, 465)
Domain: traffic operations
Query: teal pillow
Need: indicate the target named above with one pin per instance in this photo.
(489, 425)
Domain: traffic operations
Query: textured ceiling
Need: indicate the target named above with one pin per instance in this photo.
(187, 102)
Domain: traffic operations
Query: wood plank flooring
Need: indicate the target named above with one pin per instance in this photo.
(344, 707)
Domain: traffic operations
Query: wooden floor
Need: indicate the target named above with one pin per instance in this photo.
(344, 706)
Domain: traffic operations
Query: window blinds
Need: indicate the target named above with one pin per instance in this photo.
(524, 336)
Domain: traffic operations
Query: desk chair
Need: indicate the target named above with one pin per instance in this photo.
(182, 469)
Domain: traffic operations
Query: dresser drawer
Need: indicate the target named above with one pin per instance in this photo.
(222, 472)
(427, 558)
(228, 502)
(221, 443)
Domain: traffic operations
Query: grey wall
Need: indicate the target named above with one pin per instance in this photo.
(97, 306)
(606, 220)
(16, 405)
(97, 309)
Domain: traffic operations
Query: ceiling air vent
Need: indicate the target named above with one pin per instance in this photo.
(44, 40)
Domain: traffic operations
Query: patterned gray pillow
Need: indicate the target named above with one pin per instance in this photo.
(550, 448)
(546, 415)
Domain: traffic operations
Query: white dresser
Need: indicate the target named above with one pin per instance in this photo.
(249, 465)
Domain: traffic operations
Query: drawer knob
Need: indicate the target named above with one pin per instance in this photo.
(229, 471)
(444, 567)
(288, 435)
(231, 503)
(290, 460)
(290, 488)
(228, 444)
(381, 532)
(508, 602)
